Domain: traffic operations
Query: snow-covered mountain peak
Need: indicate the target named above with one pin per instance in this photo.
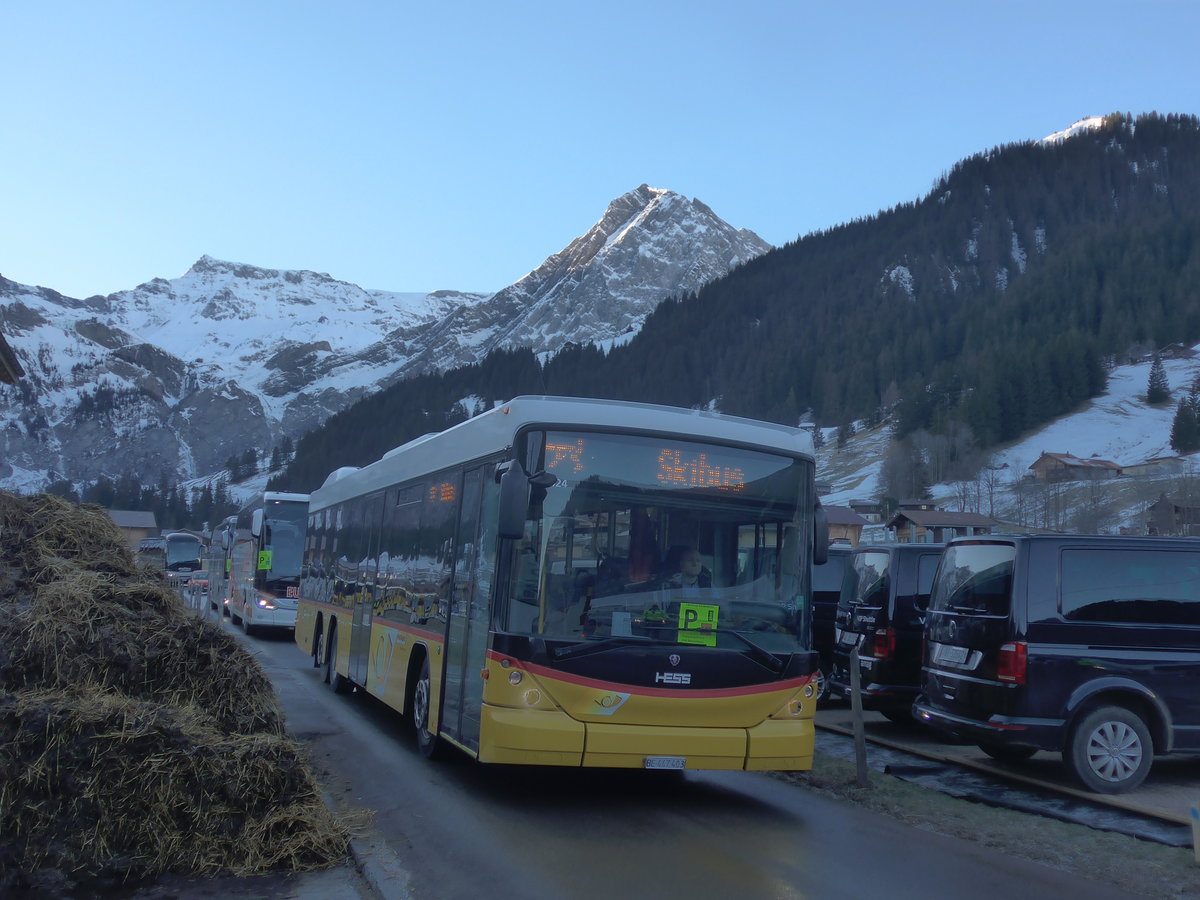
(177, 374)
(1088, 123)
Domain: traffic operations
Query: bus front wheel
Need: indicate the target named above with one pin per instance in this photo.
(428, 743)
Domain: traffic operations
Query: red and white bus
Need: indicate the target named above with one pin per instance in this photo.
(514, 584)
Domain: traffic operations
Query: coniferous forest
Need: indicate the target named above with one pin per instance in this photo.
(988, 307)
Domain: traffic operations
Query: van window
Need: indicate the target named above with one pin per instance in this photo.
(1145, 587)
(871, 581)
(926, 569)
(975, 579)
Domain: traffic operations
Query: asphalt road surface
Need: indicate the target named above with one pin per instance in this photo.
(461, 829)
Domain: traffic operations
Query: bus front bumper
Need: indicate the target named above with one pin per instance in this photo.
(551, 738)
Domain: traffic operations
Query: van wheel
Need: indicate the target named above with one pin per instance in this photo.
(1008, 752)
(428, 743)
(1109, 750)
(337, 683)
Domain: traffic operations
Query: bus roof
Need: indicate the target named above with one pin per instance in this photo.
(494, 431)
(263, 497)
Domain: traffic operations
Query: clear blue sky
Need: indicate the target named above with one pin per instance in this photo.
(417, 146)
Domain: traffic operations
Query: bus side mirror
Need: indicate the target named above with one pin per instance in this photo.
(256, 521)
(224, 540)
(514, 499)
(820, 536)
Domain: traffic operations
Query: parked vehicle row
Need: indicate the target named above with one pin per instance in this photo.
(1086, 645)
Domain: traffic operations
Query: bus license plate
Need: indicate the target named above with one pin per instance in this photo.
(665, 762)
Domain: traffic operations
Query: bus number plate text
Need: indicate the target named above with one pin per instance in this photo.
(665, 762)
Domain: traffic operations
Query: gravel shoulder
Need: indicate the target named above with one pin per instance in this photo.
(1142, 868)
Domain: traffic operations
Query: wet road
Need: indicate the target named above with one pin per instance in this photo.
(459, 829)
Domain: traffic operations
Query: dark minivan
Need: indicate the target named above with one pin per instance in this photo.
(826, 590)
(1082, 644)
(882, 613)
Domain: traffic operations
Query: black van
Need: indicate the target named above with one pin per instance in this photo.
(882, 613)
(1082, 644)
(826, 589)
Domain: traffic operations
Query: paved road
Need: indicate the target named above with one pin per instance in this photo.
(458, 829)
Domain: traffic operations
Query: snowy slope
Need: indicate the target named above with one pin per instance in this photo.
(1117, 426)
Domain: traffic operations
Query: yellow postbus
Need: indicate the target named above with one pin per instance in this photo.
(576, 582)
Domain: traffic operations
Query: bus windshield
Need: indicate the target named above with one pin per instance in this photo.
(282, 548)
(673, 541)
(182, 550)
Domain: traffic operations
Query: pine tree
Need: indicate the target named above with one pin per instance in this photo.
(1158, 389)
(1185, 428)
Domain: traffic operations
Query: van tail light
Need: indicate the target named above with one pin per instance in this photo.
(885, 643)
(1012, 663)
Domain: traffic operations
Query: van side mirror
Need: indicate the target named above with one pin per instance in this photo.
(256, 522)
(514, 499)
(820, 535)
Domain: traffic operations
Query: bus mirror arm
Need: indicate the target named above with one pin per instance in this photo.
(820, 535)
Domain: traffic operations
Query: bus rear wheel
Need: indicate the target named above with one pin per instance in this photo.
(318, 645)
(428, 743)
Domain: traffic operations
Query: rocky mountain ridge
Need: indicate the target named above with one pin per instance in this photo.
(178, 375)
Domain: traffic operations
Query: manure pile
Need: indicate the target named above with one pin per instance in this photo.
(135, 739)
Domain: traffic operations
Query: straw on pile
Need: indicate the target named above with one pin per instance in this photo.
(134, 737)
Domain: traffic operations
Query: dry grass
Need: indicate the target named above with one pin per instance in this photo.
(134, 738)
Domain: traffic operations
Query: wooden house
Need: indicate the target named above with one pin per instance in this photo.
(845, 524)
(1065, 467)
(929, 525)
(135, 524)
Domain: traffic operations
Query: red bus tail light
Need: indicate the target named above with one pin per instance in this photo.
(885, 643)
(1014, 657)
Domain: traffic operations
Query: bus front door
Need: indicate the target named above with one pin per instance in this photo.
(470, 595)
(364, 600)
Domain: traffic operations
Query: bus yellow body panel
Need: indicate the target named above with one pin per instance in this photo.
(530, 736)
(550, 738)
(781, 745)
(532, 715)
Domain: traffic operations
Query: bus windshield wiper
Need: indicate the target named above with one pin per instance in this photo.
(586, 648)
(757, 653)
